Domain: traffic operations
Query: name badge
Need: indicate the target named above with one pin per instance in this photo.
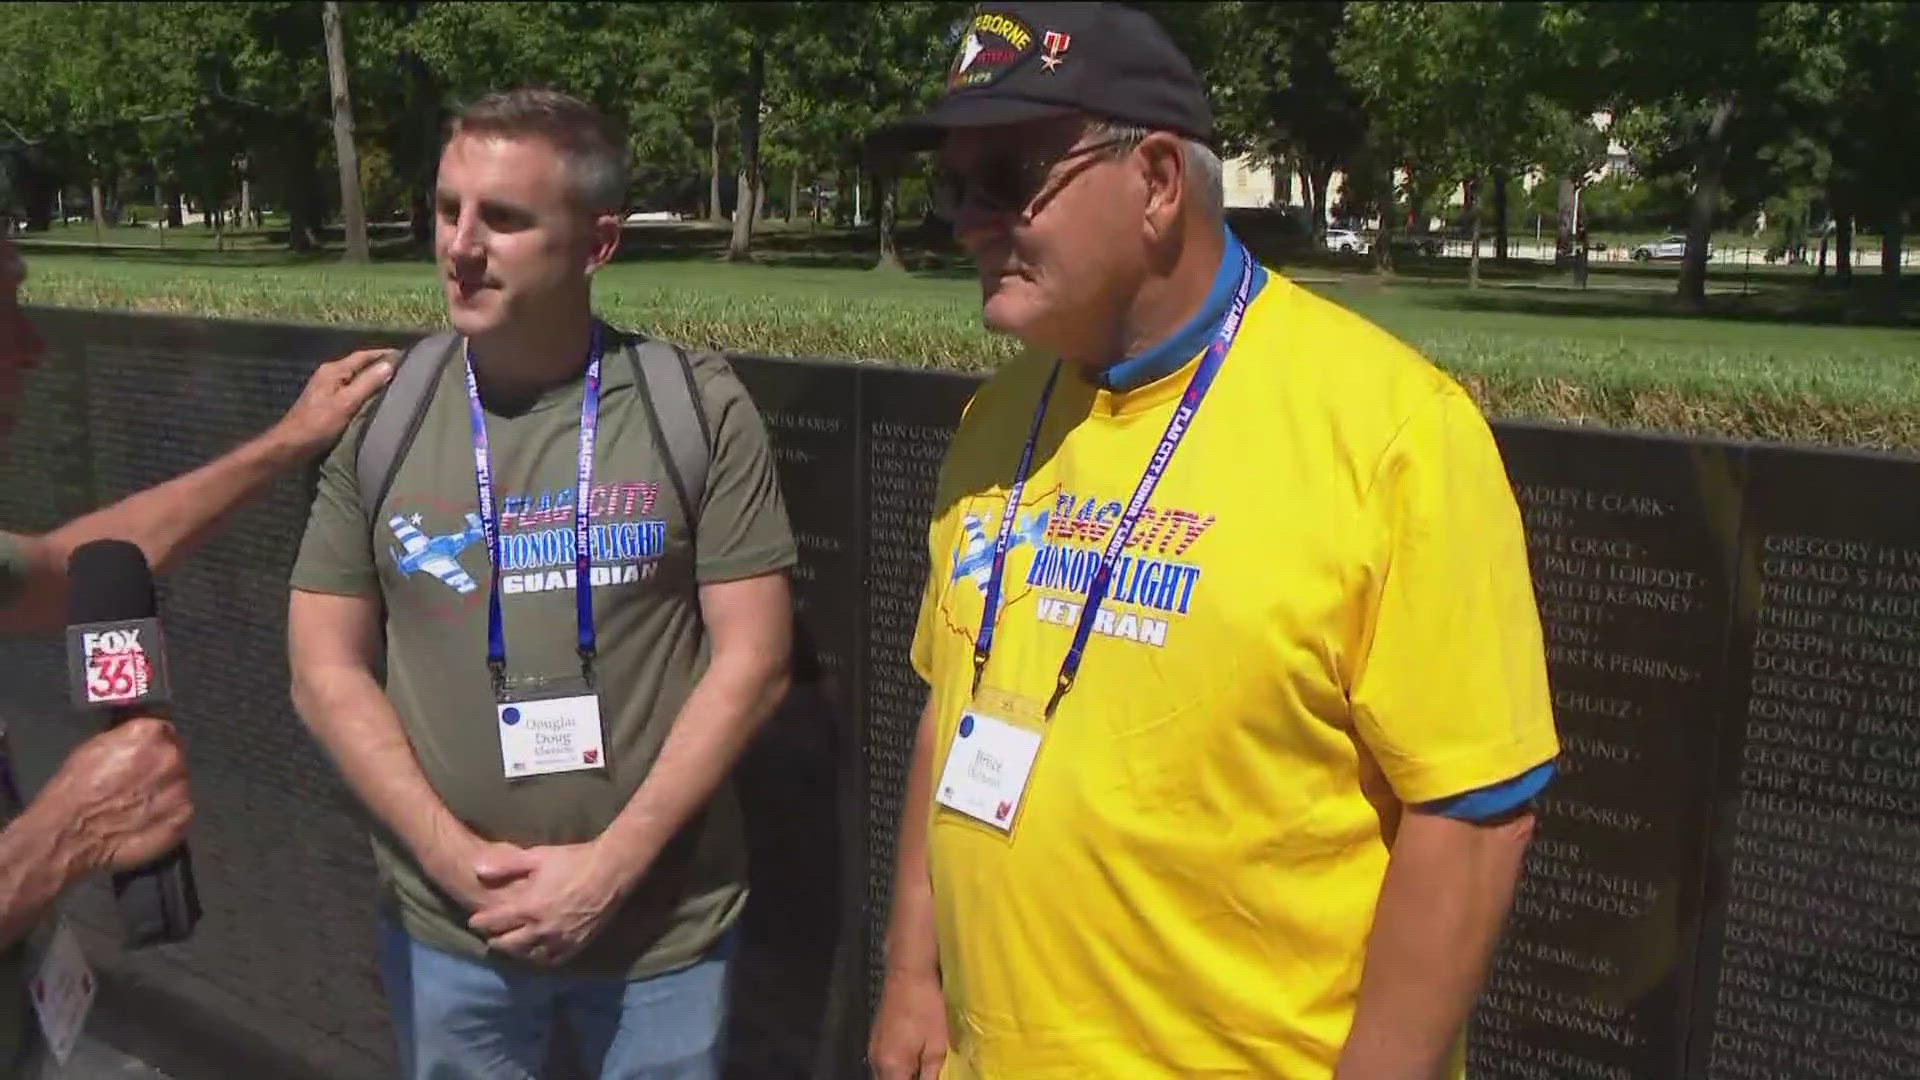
(62, 993)
(990, 761)
(550, 728)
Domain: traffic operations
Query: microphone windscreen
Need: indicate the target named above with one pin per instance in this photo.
(109, 580)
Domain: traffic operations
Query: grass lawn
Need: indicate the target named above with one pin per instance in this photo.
(1778, 363)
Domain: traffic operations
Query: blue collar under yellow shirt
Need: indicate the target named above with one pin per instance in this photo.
(1174, 352)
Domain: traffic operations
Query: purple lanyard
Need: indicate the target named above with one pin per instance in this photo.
(490, 524)
(1177, 428)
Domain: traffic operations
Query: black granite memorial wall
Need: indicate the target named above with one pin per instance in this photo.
(1725, 881)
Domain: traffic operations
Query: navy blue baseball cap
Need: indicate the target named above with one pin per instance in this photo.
(1020, 62)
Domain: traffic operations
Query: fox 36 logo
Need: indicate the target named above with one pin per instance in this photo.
(117, 668)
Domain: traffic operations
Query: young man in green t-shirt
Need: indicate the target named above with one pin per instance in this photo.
(120, 799)
(569, 672)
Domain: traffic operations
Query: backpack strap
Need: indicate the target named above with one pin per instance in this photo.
(664, 377)
(397, 415)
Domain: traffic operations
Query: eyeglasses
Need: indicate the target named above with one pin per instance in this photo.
(1006, 182)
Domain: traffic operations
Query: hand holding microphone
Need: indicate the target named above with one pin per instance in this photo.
(125, 790)
(127, 786)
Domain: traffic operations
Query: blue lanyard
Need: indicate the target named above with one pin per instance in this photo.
(490, 523)
(1177, 427)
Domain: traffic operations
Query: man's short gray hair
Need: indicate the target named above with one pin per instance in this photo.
(1204, 173)
(593, 146)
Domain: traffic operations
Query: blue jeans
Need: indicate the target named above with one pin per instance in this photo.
(458, 1018)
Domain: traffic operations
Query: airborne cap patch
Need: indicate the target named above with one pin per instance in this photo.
(992, 44)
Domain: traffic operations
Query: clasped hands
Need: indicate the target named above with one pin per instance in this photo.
(538, 904)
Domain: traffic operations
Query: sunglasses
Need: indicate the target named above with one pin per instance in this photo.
(1004, 183)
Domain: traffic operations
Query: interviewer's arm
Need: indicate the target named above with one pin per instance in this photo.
(332, 643)
(1448, 887)
(168, 520)
(38, 860)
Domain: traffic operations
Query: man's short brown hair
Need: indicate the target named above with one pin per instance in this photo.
(593, 145)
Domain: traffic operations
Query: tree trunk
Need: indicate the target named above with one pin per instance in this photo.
(1890, 245)
(419, 159)
(760, 199)
(99, 211)
(740, 241)
(304, 200)
(41, 199)
(713, 166)
(746, 200)
(1383, 240)
(1563, 228)
(886, 193)
(793, 195)
(1843, 247)
(246, 200)
(1822, 270)
(172, 210)
(1473, 259)
(1322, 176)
(1708, 168)
(353, 214)
(1500, 217)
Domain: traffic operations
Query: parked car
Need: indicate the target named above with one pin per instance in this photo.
(1423, 244)
(1667, 247)
(1346, 242)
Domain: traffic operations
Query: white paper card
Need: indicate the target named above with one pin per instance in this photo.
(550, 735)
(987, 769)
(62, 993)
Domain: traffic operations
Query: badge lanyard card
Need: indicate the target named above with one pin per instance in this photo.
(547, 724)
(997, 743)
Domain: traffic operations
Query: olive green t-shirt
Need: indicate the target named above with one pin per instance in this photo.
(424, 556)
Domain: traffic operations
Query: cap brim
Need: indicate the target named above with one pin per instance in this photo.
(925, 132)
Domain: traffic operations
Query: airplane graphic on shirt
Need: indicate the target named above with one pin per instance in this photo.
(976, 558)
(438, 555)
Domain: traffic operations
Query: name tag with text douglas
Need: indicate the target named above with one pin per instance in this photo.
(550, 733)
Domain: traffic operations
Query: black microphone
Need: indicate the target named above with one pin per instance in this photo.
(116, 663)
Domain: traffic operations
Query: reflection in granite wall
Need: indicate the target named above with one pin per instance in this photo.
(1812, 964)
(1629, 542)
(1723, 882)
(282, 870)
(799, 784)
(281, 970)
(908, 419)
(46, 477)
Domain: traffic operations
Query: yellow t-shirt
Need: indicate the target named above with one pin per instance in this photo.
(1324, 614)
